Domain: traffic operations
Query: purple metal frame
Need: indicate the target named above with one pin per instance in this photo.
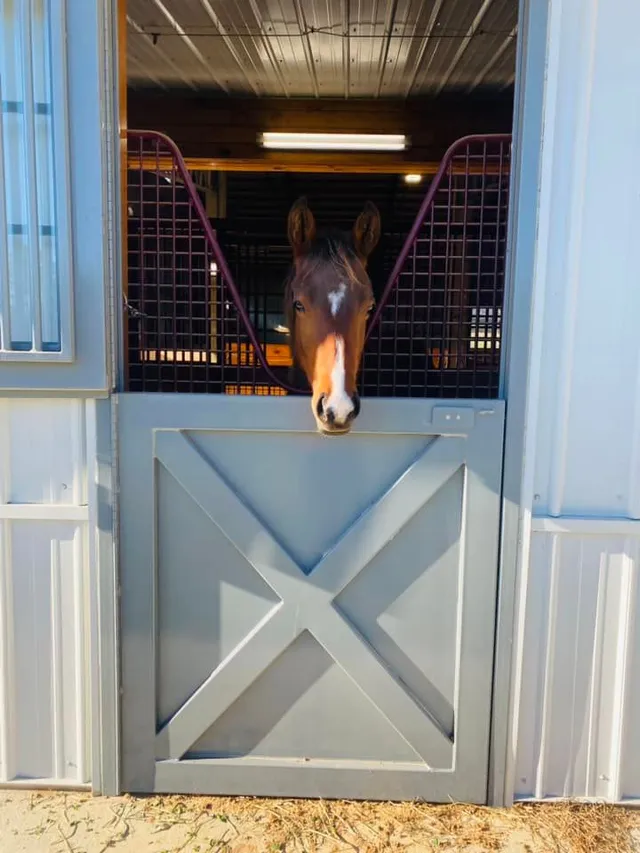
(451, 265)
(453, 152)
(158, 141)
(437, 329)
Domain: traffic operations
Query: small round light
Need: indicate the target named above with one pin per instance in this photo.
(412, 179)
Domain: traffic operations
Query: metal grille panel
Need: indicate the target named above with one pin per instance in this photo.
(438, 327)
(195, 325)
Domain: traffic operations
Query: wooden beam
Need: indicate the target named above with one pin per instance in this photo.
(349, 166)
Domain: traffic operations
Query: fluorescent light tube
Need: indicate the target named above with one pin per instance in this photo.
(335, 141)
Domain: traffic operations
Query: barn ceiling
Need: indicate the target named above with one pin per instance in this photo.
(322, 48)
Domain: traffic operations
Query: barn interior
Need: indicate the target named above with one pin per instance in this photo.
(214, 76)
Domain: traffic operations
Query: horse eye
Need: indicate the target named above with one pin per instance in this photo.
(298, 306)
(370, 309)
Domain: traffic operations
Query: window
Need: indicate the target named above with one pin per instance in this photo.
(35, 246)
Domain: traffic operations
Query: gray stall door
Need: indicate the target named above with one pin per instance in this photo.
(307, 616)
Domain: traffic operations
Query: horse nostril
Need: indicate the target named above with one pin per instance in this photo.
(331, 416)
(356, 407)
(320, 406)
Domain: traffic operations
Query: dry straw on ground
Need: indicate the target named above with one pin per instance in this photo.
(250, 825)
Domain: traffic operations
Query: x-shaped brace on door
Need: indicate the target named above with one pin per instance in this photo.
(307, 600)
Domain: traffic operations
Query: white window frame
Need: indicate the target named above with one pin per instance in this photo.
(55, 10)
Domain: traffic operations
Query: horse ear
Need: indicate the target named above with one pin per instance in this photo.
(301, 227)
(366, 231)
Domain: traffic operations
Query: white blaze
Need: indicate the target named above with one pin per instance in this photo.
(338, 399)
(336, 298)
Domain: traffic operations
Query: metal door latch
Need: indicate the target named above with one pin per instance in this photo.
(450, 419)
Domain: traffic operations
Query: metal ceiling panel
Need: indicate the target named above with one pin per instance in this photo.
(322, 48)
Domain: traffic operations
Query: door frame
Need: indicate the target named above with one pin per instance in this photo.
(515, 381)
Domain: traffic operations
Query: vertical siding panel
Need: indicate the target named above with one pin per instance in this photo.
(7, 681)
(535, 632)
(548, 663)
(44, 596)
(575, 605)
(620, 719)
(581, 670)
(78, 722)
(32, 596)
(629, 773)
(57, 667)
(591, 782)
(45, 452)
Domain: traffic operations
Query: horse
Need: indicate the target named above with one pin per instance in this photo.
(328, 298)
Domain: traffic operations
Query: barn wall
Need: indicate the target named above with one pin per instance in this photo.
(578, 660)
(44, 592)
(219, 128)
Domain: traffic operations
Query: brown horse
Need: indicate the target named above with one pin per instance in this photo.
(328, 298)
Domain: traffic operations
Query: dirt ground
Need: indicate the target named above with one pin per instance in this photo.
(79, 823)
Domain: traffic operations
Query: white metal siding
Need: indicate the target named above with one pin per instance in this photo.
(588, 427)
(44, 592)
(577, 697)
(579, 734)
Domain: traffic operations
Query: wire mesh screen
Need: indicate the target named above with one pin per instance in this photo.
(188, 329)
(201, 318)
(438, 326)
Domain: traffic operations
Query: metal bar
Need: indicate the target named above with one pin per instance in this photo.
(483, 187)
(446, 322)
(5, 292)
(143, 329)
(495, 354)
(158, 272)
(33, 235)
(429, 288)
(412, 338)
(462, 344)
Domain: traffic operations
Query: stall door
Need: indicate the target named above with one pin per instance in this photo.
(307, 616)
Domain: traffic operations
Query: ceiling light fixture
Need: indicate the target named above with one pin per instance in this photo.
(412, 179)
(334, 141)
